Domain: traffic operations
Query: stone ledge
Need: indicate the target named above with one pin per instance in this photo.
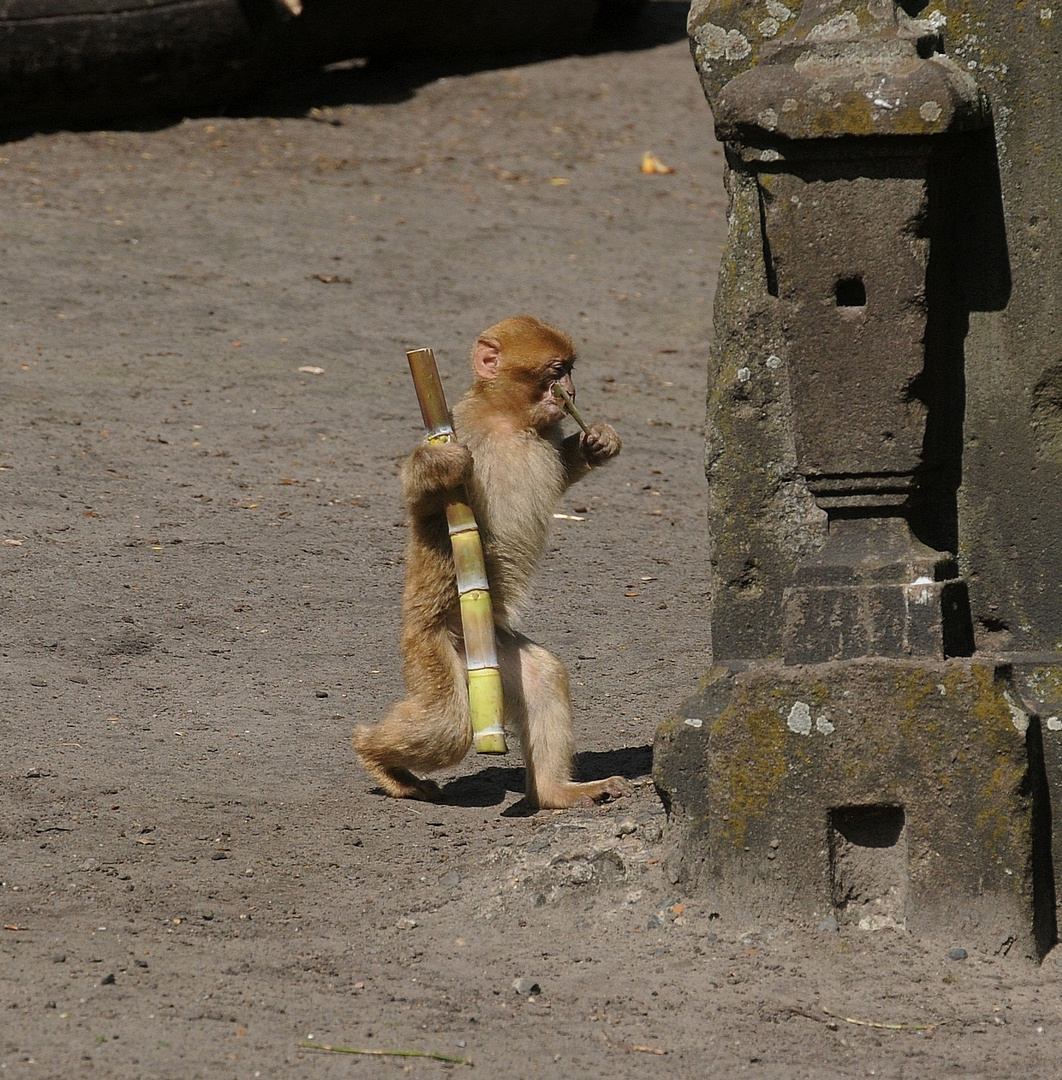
(880, 791)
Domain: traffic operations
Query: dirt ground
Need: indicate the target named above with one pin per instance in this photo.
(202, 555)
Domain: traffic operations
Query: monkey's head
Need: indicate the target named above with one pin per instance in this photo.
(517, 362)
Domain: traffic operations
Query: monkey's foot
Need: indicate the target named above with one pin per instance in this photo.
(572, 794)
(402, 784)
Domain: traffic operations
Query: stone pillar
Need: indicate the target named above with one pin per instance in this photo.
(880, 670)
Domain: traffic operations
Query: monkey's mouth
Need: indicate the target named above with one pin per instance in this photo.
(560, 398)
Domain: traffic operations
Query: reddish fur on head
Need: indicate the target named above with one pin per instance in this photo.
(516, 361)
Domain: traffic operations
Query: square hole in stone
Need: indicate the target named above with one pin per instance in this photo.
(869, 876)
(850, 292)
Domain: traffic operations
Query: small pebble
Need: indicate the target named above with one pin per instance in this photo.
(829, 924)
(626, 827)
(107, 980)
(957, 954)
(322, 693)
(527, 987)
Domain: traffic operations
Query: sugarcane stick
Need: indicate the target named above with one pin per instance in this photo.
(569, 406)
(477, 615)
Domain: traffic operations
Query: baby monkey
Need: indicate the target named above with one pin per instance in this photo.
(516, 463)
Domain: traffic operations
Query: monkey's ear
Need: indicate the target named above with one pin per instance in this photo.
(486, 358)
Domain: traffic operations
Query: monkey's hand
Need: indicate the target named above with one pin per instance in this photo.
(599, 444)
(435, 467)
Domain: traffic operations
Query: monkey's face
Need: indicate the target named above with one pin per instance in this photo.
(548, 409)
(517, 364)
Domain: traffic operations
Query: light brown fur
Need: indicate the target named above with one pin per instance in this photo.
(516, 463)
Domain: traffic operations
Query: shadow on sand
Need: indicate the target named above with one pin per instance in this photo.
(490, 786)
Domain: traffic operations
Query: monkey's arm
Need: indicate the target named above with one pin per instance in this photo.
(587, 450)
(432, 470)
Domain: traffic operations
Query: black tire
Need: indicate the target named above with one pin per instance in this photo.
(63, 60)
(87, 58)
(331, 30)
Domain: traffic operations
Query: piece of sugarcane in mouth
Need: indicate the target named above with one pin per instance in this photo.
(558, 391)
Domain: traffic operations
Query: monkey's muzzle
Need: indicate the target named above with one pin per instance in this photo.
(568, 402)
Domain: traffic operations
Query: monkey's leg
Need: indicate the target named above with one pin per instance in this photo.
(428, 730)
(538, 704)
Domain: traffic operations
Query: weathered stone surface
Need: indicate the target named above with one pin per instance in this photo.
(843, 70)
(854, 310)
(837, 382)
(1011, 497)
(994, 215)
(873, 591)
(883, 453)
(882, 791)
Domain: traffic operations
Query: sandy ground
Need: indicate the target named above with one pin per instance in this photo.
(202, 556)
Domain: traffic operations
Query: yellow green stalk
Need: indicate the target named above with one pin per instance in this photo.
(477, 614)
(569, 406)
